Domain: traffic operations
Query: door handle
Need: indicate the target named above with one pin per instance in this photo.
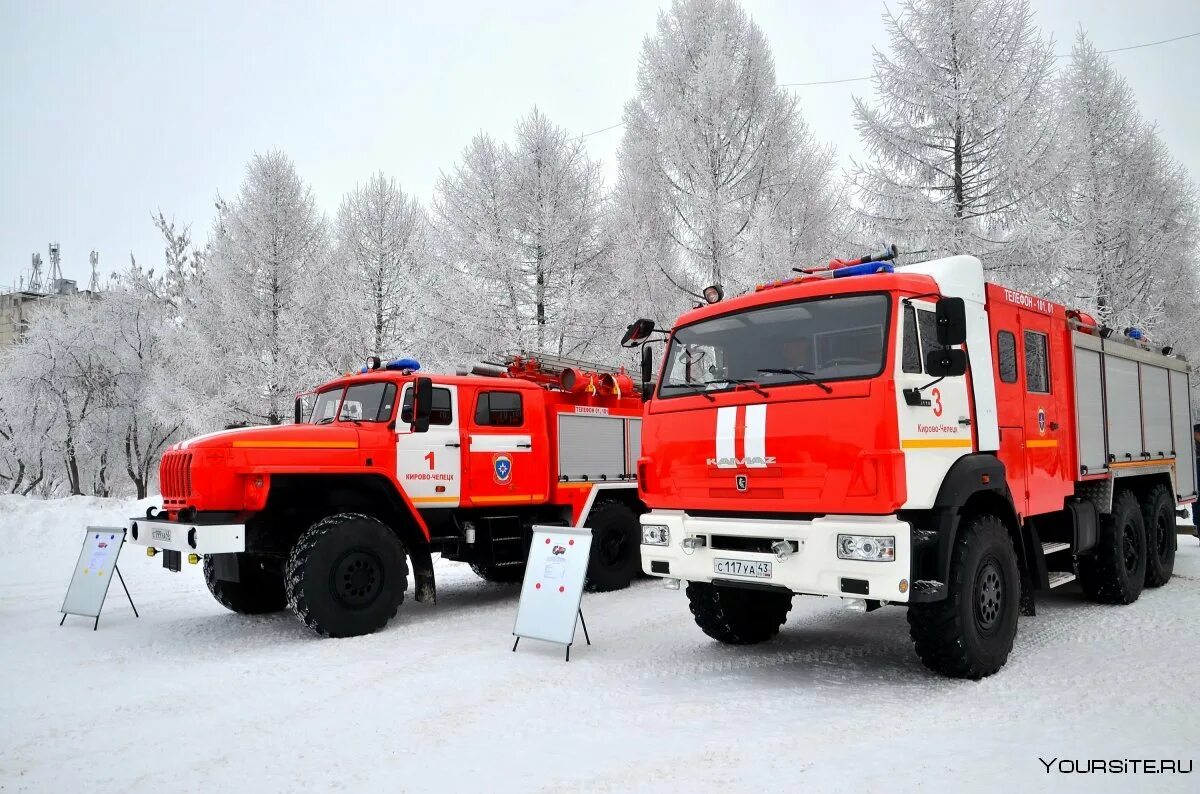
(525, 446)
(453, 444)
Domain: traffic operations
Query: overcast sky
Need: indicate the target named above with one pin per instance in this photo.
(109, 111)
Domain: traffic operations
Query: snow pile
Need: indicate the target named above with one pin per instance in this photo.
(191, 697)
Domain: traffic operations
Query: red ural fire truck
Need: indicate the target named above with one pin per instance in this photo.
(913, 436)
(386, 466)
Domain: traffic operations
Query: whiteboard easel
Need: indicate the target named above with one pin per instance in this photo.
(93, 573)
(553, 586)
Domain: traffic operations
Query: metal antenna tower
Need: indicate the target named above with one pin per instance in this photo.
(35, 277)
(55, 265)
(94, 260)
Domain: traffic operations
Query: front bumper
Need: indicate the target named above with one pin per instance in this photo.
(187, 538)
(813, 569)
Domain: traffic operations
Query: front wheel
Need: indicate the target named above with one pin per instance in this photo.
(346, 575)
(616, 547)
(738, 616)
(970, 633)
(259, 589)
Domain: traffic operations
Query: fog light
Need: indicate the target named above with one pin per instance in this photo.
(656, 535)
(856, 604)
(671, 584)
(782, 549)
(193, 559)
(869, 548)
(151, 551)
(691, 544)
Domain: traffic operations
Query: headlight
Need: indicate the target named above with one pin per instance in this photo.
(656, 535)
(870, 548)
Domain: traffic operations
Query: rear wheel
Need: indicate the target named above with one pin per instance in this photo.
(616, 547)
(500, 574)
(736, 615)
(259, 589)
(1116, 572)
(346, 575)
(1158, 514)
(970, 633)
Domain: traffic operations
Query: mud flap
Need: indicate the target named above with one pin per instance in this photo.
(424, 584)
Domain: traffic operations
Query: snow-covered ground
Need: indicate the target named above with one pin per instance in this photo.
(191, 697)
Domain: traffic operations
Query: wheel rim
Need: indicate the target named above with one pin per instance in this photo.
(1162, 538)
(612, 546)
(1129, 548)
(989, 596)
(357, 578)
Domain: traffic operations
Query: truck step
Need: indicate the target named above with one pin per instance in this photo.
(506, 540)
(508, 564)
(1050, 548)
(1059, 578)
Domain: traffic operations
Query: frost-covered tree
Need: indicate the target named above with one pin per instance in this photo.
(718, 158)
(1125, 207)
(382, 252)
(257, 330)
(520, 233)
(960, 137)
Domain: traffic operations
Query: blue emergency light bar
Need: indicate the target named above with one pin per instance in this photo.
(410, 364)
(865, 269)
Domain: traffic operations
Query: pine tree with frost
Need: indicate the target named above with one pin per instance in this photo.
(960, 137)
(520, 230)
(1126, 208)
(381, 253)
(258, 329)
(724, 151)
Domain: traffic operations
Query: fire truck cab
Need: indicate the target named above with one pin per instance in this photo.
(385, 466)
(911, 436)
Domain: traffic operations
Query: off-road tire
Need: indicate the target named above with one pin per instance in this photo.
(505, 574)
(346, 575)
(260, 590)
(970, 633)
(1158, 514)
(737, 615)
(1116, 572)
(616, 555)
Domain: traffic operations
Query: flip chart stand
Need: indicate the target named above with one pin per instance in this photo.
(582, 622)
(551, 593)
(89, 585)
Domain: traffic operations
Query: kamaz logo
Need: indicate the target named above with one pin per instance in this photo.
(757, 462)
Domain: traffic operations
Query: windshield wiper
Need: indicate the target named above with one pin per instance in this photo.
(696, 388)
(749, 383)
(803, 374)
(324, 420)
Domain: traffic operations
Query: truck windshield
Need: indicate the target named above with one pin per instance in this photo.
(364, 402)
(818, 340)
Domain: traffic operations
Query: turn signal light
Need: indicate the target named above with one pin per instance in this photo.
(193, 558)
(151, 551)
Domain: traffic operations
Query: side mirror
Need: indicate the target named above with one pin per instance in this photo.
(945, 363)
(637, 333)
(299, 412)
(422, 404)
(647, 372)
(951, 318)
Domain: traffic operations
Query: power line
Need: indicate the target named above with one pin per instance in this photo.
(868, 77)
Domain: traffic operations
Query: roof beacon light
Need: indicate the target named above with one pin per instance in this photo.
(1135, 333)
(404, 365)
(713, 294)
(373, 364)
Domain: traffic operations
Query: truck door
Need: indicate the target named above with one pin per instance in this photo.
(507, 454)
(1045, 479)
(932, 436)
(429, 465)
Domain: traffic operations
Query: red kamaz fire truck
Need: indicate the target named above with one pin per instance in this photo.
(386, 466)
(914, 436)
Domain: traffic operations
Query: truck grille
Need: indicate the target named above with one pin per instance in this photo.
(175, 478)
